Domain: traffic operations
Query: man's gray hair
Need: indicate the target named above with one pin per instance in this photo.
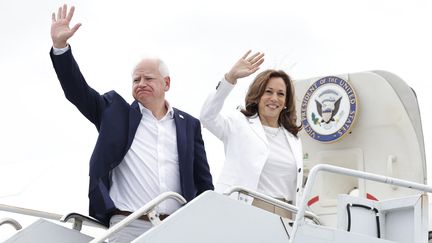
(163, 68)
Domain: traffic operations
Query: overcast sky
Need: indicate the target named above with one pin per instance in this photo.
(45, 143)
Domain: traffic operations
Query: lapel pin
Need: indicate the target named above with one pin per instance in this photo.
(181, 116)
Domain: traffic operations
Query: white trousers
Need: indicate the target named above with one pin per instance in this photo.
(130, 232)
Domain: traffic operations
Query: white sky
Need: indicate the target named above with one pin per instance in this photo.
(45, 143)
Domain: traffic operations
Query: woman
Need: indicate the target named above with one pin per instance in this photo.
(262, 150)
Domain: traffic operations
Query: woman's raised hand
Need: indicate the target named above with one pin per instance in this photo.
(244, 67)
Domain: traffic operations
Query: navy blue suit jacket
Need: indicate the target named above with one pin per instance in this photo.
(117, 122)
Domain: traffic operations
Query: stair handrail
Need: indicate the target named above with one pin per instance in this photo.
(273, 201)
(29, 212)
(40, 214)
(12, 222)
(138, 213)
(299, 220)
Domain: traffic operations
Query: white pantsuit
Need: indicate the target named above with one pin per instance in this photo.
(245, 143)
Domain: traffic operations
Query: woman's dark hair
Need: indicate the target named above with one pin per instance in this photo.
(287, 117)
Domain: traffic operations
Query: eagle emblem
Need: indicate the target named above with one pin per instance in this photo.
(328, 109)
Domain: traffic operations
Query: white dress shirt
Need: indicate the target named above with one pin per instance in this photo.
(150, 167)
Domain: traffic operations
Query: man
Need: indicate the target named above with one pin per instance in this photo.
(143, 149)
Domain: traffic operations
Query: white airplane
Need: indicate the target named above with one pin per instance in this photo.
(365, 172)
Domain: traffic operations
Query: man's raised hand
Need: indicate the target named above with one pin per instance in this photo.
(60, 30)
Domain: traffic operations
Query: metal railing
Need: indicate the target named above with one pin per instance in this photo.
(42, 214)
(30, 212)
(272, 201)
(12, 222)
(149, 207)
(349, 172)
(79, 220)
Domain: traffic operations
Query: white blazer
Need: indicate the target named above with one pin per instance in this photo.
(245, 143)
